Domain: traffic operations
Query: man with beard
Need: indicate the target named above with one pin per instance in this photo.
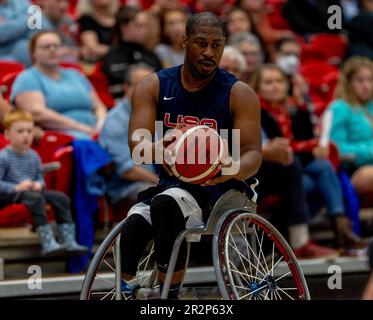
(193, 93)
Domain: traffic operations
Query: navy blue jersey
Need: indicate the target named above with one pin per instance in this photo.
(208, 106)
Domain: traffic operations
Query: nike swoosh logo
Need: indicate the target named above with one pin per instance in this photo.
(168, 98)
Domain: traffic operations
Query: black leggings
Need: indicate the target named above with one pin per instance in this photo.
(36, 202)
(167, 222)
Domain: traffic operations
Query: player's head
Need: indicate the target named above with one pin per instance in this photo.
(18, 129)
(204, 41)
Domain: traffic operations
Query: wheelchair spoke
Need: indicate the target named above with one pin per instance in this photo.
(248, 261)
(111, 291)
(109, 265)
(105, 280)
(273, 267)
(258, 259)
(284, 275)
(247, 248)
(253, 253)
(279, 289)
(240, 257)
(241, 273)
(273, 256)
(278, 294)
(261, 248)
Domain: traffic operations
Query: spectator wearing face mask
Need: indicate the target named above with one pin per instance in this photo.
(287, 58)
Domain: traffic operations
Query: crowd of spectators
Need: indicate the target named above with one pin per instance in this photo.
(276, 46)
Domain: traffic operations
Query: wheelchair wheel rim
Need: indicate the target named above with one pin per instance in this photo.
(255, 278)
(144, 278)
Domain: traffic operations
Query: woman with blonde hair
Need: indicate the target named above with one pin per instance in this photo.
(96, 21)
(352, 128)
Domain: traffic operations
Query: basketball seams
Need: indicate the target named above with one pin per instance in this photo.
(213, 166)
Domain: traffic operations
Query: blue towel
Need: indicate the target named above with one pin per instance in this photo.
(89, 157)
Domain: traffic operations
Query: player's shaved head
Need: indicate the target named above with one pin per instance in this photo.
(204, 19)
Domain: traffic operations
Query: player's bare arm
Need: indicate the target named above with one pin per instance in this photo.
(144, 110)
(245, 110)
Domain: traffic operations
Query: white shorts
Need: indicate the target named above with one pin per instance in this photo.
(188, 205)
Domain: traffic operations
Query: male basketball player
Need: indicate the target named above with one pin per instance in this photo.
(197, 91)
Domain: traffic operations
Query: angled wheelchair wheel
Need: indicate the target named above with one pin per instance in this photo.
(103, 279)
(253, 261)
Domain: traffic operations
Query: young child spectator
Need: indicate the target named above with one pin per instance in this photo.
(21, 181)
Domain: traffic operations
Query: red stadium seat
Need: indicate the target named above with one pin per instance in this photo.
(7, 82)
(55, 146)
(333, 47)
(310, 53)
(322, 79)
(275, 16)
(101, 85)
(7, 67)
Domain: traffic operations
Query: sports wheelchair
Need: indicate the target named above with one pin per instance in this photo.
(251, 259)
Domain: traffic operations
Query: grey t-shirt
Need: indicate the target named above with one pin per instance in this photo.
(167, 54)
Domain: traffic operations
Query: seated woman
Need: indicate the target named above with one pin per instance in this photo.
(96, 22)
(352, 129)
(280, 118)
(59, 99)
(131, 36)
(170, 51)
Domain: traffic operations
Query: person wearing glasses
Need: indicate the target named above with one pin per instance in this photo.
(59, 99)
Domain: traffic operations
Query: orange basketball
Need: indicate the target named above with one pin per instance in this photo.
(197, 153)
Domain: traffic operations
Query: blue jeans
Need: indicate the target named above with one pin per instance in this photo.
(321, 182)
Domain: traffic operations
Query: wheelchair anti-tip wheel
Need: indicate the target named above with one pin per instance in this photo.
(253, 261)
(103, 279)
